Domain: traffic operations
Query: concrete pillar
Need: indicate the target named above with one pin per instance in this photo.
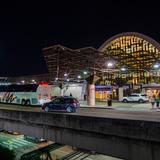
(91, 95)
(120, 93)
(143, 90)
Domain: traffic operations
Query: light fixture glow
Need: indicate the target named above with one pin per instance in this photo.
(56, 78)
(156, 66)
(85, 72)
(110, 64)
(123, 69)
(65, 74)
(67, 80)
(22, 81)
(79, 76)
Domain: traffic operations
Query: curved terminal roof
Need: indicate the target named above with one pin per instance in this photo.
(136, 51)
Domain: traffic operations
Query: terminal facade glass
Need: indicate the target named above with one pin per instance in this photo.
(137, 55)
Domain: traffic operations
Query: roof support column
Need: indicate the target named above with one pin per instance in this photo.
(91, 80)
(120, 93)
(91, 95)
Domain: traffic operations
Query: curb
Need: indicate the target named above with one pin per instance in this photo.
(96, 107)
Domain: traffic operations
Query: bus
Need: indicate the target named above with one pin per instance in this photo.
(25, 94)
(36, 94)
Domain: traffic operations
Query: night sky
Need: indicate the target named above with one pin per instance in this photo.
(25, 28)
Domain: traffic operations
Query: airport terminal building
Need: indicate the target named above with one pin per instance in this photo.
(130, 57)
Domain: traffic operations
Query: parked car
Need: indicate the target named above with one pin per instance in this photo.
(136, 97)
(64, 103)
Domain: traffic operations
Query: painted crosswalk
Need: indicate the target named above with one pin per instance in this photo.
(14, 143)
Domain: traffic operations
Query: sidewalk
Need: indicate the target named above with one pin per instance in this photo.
(119, 106)
(98, 105)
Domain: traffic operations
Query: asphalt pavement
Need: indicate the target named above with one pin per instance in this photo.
(118, 110)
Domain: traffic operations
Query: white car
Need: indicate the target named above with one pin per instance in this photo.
(136, 97)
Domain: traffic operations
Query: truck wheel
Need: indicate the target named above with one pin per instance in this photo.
(23, 102)
(28, 102)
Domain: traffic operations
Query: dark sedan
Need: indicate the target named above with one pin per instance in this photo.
(64, 103)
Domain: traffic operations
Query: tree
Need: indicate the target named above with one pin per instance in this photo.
(92, 79)
(60, 85)
(120, 82)
(6, 154)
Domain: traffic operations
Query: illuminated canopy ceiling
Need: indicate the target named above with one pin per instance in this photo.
(134, 50)
(63, 61)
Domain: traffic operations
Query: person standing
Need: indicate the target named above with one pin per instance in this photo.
(153, 100)
(158, 101)
(109, 100)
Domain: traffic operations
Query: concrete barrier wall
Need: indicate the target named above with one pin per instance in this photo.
(127, 139)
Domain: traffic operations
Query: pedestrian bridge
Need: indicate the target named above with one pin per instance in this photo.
(118, 137)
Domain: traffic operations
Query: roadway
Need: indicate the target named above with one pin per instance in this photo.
(131, 111)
